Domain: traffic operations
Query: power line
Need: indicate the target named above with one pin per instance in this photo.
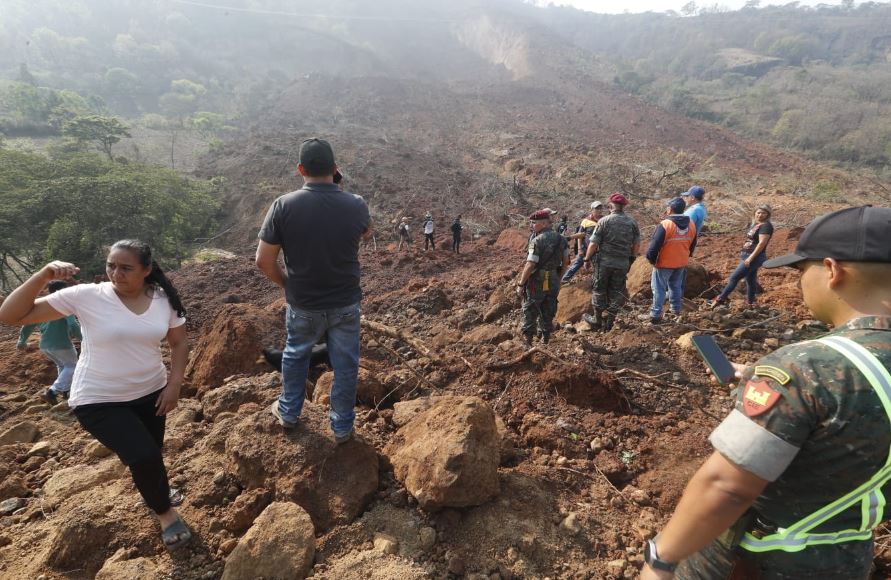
(301, 15)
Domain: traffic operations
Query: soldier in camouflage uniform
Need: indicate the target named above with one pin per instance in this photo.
(616, 241)
(539, 282)
(801, 467)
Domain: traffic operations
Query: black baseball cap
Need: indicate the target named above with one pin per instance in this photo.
(317, 157)
(854, 234)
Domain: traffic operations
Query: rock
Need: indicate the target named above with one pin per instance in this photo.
(685, 341)
(597, 445)
(369, 391)
(811, 325)
(641, 272)
(636, 495)
(238, 392)
(571, 524)
(41, 448)
(749, 333)
(426, 538)
(573, 301)
(246, 508)
(10, 505)
(512, 239)
(61, 408)
(386, 544)
(79, 536)
(449, 455)
(455, 564)
(431, 301)
(445, 338)
(772, 342)
(96, 449)
(487, 334)
(334, 483)
(13, 486)
(503, 300)
(136, 569)
(790, 334)
(71, 480)
(24, 432)
(233, 344)
(280, 544)
(227, 546)
(646, 524)
(616, 566)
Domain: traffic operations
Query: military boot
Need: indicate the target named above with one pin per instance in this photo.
(527, 338)
(608, 322)
(595, 321)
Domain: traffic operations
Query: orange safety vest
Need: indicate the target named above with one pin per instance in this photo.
(675, 251)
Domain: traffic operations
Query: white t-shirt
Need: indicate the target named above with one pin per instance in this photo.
(428, 227)
(121, 358)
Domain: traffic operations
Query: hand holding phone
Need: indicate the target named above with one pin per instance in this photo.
(714, 358)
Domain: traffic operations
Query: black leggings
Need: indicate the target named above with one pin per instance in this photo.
(136, 434)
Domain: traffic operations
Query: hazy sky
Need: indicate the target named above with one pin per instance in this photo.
(620, 6)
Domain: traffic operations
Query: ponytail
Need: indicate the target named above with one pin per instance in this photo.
(159, 279)
(156, 277)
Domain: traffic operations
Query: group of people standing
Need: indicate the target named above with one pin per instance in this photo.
(609, 243)
(403, 230)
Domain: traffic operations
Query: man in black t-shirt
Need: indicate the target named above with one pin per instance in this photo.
(318, 229)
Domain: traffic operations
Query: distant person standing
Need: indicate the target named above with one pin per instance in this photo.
(580, 239)
(404, 234)
(428, 232)
(318, 228)
(55, 343)
(456, 235)
(616, 241)
(695, 207)
(673, 241)
(753, 256)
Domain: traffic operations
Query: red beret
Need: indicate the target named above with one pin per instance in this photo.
(618, 198)
(542, 214)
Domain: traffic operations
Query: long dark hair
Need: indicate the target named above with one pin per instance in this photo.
(156, 277)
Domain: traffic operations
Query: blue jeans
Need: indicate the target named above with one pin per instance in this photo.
(574, 267)
(65, 360)
(305, 328)
(671, 281)
(749, 273)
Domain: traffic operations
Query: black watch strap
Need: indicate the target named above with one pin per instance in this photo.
(652, 558)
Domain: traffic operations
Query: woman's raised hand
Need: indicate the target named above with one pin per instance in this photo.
(58, 270)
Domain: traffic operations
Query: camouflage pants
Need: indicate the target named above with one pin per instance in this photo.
(609, 289)
(852, 560)
(540, 306)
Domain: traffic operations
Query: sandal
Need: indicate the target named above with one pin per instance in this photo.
(176, 497)
(176, 535)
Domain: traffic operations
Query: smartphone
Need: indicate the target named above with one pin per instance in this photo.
(715, 358)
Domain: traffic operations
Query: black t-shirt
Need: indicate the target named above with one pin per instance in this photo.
(755, 230)
(319, 228)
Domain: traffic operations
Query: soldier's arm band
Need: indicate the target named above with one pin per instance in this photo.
(750, 446)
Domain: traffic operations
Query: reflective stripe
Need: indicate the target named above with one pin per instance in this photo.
(795, 538)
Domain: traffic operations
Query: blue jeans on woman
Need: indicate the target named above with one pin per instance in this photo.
(749, 273)
(670, 281)
(305, 328)
(65, 360)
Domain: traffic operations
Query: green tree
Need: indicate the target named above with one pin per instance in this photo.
(101, 131)
(183, 99)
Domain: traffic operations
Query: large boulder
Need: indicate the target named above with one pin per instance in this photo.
(233, 345)
(77, 478)
(448, 456)
(136, 569)
(334, 483)
(238, 392)
(84, 533)
(280, 544)
(369, 390)
(512, 239)
(699, 280)
(574, 300)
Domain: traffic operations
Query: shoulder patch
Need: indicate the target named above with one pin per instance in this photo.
(779, 375)
(758, 397)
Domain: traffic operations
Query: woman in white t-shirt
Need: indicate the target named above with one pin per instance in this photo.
(121, 391)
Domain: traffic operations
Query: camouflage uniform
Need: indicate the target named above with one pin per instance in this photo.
(548, 250)
(615, 235)
(823, 436)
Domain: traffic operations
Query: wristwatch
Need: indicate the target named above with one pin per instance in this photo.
(652, 558)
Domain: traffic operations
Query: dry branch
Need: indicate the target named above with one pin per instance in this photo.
(521, 358)
(377, 327)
